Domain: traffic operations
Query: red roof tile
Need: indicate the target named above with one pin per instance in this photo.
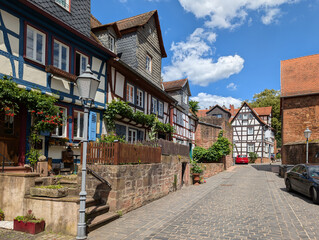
(202, 113)
(263, 111)
(174, 85)
(300, 76)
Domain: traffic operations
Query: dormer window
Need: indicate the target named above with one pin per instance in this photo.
(111, 43)
(64, 3)
(148, 63)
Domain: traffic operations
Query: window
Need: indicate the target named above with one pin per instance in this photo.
(139, 98)
(245, 116)
(148, 63)
(64, 3)
(61, 56)
(179, 118)
(78, 125)
(35, 45)
(61, 131)
(111, 43)
(160, 109)
(154, 105)
(218, 115)
(251, 147)
(130, 93)
(132, 136)
(185, 98)
(250, 131)
(81, 61)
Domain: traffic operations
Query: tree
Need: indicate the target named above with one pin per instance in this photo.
(270, 97)
(193, 105)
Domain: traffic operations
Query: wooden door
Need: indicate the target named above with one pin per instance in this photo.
(9, 138)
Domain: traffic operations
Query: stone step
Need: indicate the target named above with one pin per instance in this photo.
(74, 191)
(94, 211)
(102, 220)
(92, 202)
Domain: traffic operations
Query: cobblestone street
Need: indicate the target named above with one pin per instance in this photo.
(242, 203)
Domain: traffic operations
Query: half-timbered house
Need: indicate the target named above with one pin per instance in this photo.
(181, 117)
(45, 45)
(252, 132)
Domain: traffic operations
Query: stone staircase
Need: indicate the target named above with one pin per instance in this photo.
(97, 211)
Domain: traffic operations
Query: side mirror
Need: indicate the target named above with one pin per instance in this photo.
(305, 174)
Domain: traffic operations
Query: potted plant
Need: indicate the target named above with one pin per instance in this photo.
(196, 171)
(29, 223)
(1, 215)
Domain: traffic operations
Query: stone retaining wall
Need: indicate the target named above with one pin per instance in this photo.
(211, 169)
(296, 153)
(135, 185)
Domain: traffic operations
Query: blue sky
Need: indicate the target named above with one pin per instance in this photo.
(228, 49)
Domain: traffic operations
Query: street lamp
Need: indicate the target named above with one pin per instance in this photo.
(307, 134)
(87, 85)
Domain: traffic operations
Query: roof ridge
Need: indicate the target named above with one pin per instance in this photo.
(139, 15)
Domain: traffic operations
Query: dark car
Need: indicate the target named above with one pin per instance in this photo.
(304, 178)
(241, 159)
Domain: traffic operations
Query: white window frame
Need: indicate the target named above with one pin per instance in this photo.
(81, 61)
(111, 43)
(154, 105)
(245, 116)
(78, 130)
(34, 45)
(160, 108)
(60, 55)
(64, 126)
(132, 140)
(64, 3)
(148, 65)
(139, 98)
(250, 145)
(129, 90)
(250, 132)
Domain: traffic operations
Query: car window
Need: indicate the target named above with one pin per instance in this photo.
(301, 169)
(313, 171)
(295, 169)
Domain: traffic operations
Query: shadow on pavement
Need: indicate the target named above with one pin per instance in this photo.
(298, 195)
(266, 167)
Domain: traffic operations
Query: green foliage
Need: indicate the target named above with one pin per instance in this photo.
(51, 186)
(111, 137)
(194, 107)
(196, 168)
(28, 218)
(1, 215)
(220, 148)
(124, 110)
(270, 97)
(33, 156)
(278, 156)
(252, 157)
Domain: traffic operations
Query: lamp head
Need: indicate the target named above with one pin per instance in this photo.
(87, 84)
(307, 133)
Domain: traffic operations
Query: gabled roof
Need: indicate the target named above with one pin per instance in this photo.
(217, 106)
(176, 85)
(263, 111)
(253, 112)
(131, 24)
(202, 113)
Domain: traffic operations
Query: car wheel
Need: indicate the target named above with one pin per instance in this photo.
(314, 195)
(288, 185)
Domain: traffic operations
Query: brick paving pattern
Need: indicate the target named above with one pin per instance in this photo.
(15, 235)
(245, 203)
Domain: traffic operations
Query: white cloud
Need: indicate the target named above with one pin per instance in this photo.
(123, 1)
(206, 100)
(232, 13)
(192, 59)
(270, 16)
(232, 86)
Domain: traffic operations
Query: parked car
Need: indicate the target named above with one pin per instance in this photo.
(241, 159)
(304, 178)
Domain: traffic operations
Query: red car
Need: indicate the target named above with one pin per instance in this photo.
(242, 159)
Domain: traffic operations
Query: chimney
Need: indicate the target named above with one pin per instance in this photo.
(232, 109)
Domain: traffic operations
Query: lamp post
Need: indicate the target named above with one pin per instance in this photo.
(307, 134)
(87, 85)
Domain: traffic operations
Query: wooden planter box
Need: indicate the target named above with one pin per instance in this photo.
(29, 227)
(46, 192)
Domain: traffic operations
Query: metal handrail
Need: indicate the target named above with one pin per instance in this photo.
(98, 177)
(4, 158)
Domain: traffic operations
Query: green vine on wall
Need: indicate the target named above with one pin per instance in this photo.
(122, 108)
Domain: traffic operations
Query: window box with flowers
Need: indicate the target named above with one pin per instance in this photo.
(29, 223)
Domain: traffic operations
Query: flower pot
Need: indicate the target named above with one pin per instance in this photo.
(29, 227)
(196, 178)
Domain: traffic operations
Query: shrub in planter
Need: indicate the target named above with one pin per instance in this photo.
(252, 157)
(29, 223)
(1, 215)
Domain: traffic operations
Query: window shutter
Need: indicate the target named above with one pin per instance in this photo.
(92, 126)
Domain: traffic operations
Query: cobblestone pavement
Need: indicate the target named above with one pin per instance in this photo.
(14, 235)
(245, 203)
